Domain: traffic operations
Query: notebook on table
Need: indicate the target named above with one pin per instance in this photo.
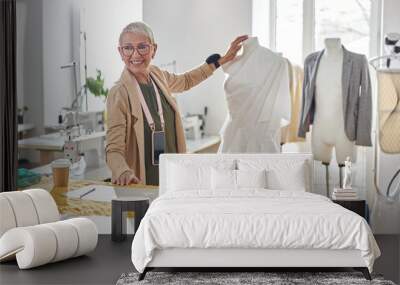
(103, 193)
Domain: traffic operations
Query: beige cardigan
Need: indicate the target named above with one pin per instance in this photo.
(124, 139)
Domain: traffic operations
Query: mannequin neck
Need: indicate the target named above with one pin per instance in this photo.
(333, 46)
(250, 44)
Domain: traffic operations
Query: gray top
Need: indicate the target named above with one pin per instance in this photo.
(149, 95)
(356, 92)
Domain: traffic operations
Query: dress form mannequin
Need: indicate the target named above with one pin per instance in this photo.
(258, 99)
(328, 126)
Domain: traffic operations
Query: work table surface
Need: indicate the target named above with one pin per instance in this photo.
(85, 207)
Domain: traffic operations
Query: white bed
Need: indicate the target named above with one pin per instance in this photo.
(214, 225)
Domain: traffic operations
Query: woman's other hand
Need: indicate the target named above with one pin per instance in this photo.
(233, 49)
(126, 178)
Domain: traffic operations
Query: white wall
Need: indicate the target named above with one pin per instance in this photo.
(59, 48)
(190, 31)
(103, 26)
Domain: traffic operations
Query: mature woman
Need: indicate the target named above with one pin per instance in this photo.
(142, 110)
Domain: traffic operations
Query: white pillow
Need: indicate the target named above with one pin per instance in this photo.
(182, 177)
(227, 179)
(193, 175)
(251, 178)
(223, 179)
(293, 179)
(282, 174)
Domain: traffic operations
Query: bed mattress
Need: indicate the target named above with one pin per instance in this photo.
(250, 219)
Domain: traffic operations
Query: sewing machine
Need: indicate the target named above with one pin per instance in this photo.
(76, 133)
(92, 121)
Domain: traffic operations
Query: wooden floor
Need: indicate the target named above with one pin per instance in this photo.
(103, 266)
(106, 264)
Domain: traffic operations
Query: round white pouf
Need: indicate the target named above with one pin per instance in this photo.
(87, 233)
(46, 207)
(40, 244)
(23, 208)
(33, 246)
(26, 208)
(7, 216)
(67, 240)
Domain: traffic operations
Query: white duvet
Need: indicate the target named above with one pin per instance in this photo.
(252, 218)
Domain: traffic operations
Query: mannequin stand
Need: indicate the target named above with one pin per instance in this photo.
(340, 165)
(327, 177)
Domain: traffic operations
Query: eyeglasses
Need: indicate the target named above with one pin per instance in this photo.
(142, 49)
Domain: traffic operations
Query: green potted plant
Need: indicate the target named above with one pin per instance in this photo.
(96, 85)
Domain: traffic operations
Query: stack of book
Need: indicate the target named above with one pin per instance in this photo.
(344, 194)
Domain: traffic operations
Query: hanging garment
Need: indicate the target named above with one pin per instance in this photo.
(289, 132)
(356, 92)
(258, 98)
(389, 111)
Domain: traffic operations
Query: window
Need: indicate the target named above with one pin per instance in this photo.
(345, 19)
(298, 27)
(289, 29)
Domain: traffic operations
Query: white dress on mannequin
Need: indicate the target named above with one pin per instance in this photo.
(258, 97)
(328, 126)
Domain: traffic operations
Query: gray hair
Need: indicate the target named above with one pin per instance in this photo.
(138, 27)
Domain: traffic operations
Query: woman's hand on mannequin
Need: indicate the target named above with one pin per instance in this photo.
(126, 178)
(233, 49)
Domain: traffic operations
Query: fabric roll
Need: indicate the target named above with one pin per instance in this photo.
(289, 132)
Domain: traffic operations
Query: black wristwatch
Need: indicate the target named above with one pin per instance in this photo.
(214, 59)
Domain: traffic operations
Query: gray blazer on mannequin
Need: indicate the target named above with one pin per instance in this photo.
(356, 92)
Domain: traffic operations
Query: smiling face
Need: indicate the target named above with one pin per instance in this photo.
(137, 52)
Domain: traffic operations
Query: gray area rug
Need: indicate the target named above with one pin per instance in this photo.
(231, 278)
